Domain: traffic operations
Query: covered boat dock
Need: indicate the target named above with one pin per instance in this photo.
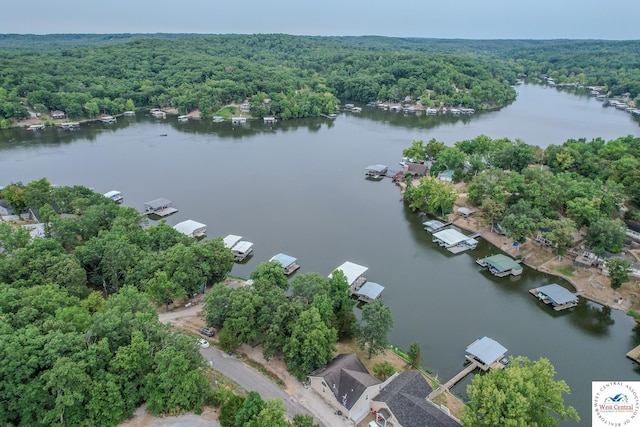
(356, 275)
(160, 207)
(501, 265)
(191, 228)
(454, 241)
(287, 262)
(242, 250)
(114, 195)
(487, 352)
(370, 291)
(434, 225)
(376, 171)
(555, 295)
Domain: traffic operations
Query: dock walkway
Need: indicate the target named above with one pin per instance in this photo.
(634, 354)
(446, 386)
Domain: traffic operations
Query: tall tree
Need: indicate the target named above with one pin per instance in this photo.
(272, 272)
(376, 323)
(619, 269)
(415, 355)
(521, 395)
(311, 344)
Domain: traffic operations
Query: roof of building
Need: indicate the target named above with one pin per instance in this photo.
(283, 259)
(502, 262)
(346, 377)
(242, 247)
(447, 172)
(406, 397)
(371, 290)
(231, 240)
(352, 271)
(417, 168)
(158, 203)
(189, 226)
(557, 294)
(434, 223)
(377, 168)
(112, 193)
(486, 350)
(465, 211)
(451, 236)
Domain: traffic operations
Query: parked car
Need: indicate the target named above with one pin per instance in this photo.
(203, 343)
(207, 331)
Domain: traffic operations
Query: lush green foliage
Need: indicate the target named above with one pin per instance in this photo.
(383, 370)
(523, 394)
(376, 325)
(619, 269)
(69, 356)
(303, 328)
(302, 76)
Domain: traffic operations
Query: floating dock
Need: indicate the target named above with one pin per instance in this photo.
(501, 265)
(454, 241)
(159, 207)
(434, 225)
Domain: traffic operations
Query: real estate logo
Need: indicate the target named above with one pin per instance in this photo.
(615, 403)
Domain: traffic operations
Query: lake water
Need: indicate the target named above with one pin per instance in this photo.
(298, 187)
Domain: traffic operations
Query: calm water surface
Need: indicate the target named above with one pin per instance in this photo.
(299, 188)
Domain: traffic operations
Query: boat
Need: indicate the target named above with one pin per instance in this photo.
(183, 118)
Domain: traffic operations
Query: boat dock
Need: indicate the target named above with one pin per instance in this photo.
(634, 354)
(434, 225)
(454, 241)
(453, 381)
(556, 296)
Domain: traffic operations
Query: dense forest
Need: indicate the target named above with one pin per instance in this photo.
(303, 76)
(88, 75)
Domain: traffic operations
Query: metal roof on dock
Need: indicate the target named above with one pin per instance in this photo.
(502, 263)
(158, 203)
(231, 240)
(351, 271)
(557, 294)
(284, 260)
(371, 290)
(189, 227)
(452, 237)
(486, 350)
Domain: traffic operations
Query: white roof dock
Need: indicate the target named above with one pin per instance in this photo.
(231, 240)
(554, 294)
(454, 240)
(433, 225)
(486, 351)
(242, 247)
(355, 273)
(191, 228)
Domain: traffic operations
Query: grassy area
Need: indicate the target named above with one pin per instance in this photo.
(634, 314)
(566, 270)
(228, 112)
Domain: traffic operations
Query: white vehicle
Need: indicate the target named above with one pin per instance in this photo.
(203, 343)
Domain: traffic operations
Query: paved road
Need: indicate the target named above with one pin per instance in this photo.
(243, 375)
(251, 380)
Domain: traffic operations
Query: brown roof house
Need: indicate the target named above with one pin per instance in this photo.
(403, 403)
(346, 385)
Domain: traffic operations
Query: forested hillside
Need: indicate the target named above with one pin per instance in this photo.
(303, 76)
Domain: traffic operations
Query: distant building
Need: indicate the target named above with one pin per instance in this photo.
(58, 115)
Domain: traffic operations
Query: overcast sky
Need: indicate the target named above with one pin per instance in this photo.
(469, 19)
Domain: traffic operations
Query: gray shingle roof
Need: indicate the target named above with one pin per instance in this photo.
(347, 378)
(406, 398)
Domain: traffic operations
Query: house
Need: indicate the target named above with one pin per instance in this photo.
(245, 107)
(346, 385)
(58, 115)
(446, 175)
(403, 403)
(191, 228)
(416, 169)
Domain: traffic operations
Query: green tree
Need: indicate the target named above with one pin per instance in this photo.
(229, 409)
(272, 415)
(619, 269)
(372, 331)
(492, 212)
(228, 339)
(250, 409)
(383, 370)
(311, 344)
(523, 394)
(300, 420)
(162, 290)
(415, 355)
(417, 152)
(272, 272)
(606, 235)
(561, 233)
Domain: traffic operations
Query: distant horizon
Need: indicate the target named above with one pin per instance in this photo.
(313, 35)
(464, 19)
